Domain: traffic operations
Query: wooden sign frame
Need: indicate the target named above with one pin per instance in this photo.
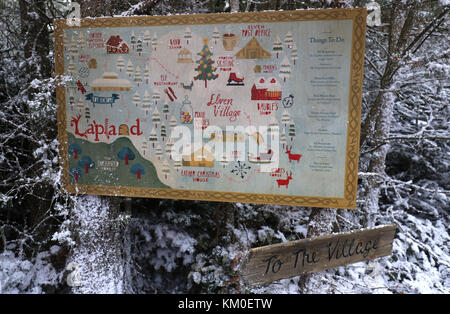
(284, 260)
(358, 19)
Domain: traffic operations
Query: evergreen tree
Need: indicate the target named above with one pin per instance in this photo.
(205, 67)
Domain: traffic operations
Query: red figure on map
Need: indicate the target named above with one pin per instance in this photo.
(81, 87)
(292, 156)
(285, 181)
(74, 123)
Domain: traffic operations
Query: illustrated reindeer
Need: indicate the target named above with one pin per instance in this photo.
(292, 156)
(285, 181)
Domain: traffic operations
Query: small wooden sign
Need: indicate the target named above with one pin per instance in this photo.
(273, 262)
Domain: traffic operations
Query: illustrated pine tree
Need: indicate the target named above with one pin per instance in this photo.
(144, 147)
(130, 68)
(139, 46)
(173, 123)
(274, 127)
(285, 117)
(138, 76)
(166, 168)
(163, 131)
(146, 102)
(169, 146)
(155, 42)
(73, 50)
(81, 41)
(156, 118)
(132, 40)
(136, 99)
(71, 67)
(205, 69)
(292, 129)
(158, 152)
(288, 40)
(120, 64)
(147, 38)
(166, 109)
(156, 96)
(177, 164)
(80, 104)
(285, 69)
(147, 72)
(216, 35)
(294, 53)
(153, 137)
(187, 35)
(87, 113)
(283, 138)
(277, 46)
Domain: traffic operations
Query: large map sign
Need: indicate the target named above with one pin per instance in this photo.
(244, 107)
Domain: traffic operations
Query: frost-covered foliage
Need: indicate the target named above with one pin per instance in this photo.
(170, 246)
(22, 275)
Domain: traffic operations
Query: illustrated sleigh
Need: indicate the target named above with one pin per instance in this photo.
(263, 158)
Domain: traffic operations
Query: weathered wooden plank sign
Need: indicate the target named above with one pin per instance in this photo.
(244, 107)
(269, 263)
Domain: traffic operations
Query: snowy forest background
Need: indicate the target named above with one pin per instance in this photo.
(170, 246)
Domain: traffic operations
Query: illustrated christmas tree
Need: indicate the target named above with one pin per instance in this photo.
(120, 63)
(165, 168)
(283, 138)
(133, 39)
(81, 42)
(158, 152)
(71, 100)
(71, 67)
(139, 46)
(166, 109)
(173, 122)
(187, 35)
(206, 66)
(87, 113)
(163, 131)
(153, 137)
(216, 35)
(285, 69)
(292, 130)
(288, 40)
(80, 104)
(136, 99)
(274, 128)
(155, 41)
(169, 146)
(177, 164)
(147, 73)
(294, 53)
(138, 76)
(156, 119)
(285, 117)
(130, 68)
(146, 102)
(73, 50)
(147, 38)
(144, 147)
(277, 46)
(156, 96)
(224, 159)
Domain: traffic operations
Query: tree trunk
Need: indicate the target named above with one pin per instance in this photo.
(98, 254)
(320, 222)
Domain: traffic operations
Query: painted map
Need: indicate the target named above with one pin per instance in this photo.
(261, 107)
